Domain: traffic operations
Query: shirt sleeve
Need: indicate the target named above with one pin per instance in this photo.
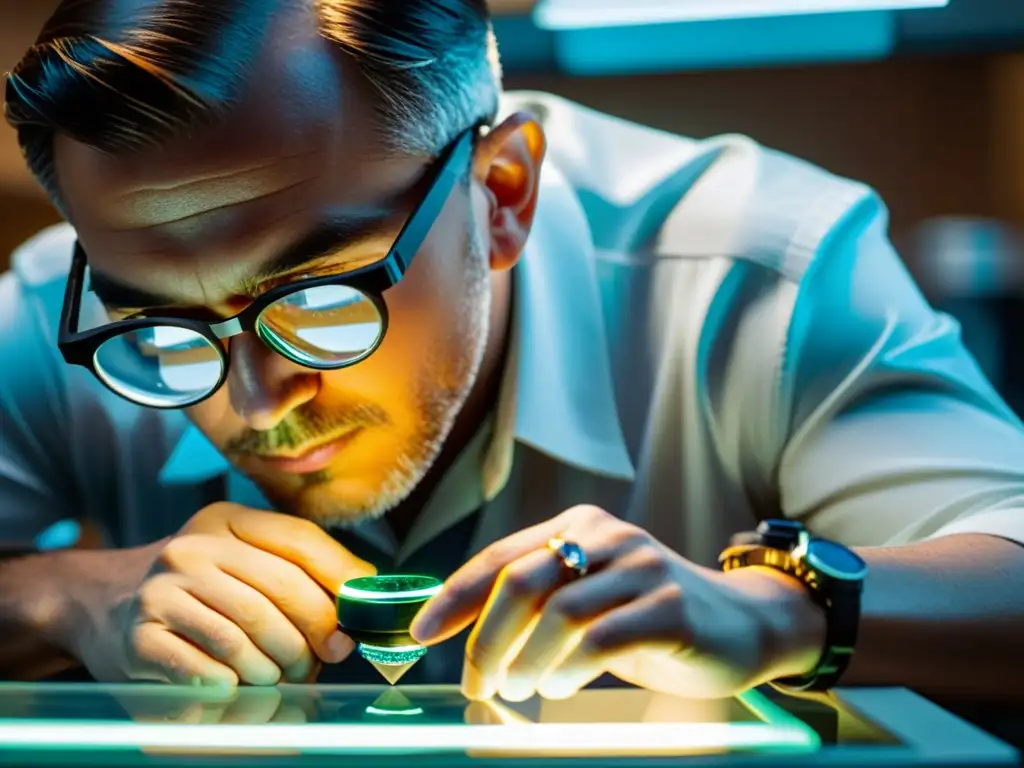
(36, 477)
(892, 434)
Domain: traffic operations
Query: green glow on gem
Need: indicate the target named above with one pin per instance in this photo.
(391, 588)
(403, 654)
(371, 710)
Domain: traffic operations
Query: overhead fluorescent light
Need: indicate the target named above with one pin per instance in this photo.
(777, 41)
(580, 14)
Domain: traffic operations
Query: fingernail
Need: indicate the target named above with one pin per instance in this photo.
(474, 686)
(516, 689)
(562, 685)
(339, 646)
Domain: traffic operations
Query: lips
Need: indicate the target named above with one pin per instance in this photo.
(315, 459)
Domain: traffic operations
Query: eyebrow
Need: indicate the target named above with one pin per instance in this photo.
(328, 238)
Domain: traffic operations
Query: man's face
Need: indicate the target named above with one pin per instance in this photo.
(187, 230)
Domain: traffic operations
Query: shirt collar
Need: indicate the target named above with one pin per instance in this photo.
(557, 394)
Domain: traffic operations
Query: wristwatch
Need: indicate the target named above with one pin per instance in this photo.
(834, 576)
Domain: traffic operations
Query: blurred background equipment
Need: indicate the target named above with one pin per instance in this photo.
(922, 99)
(972, 269)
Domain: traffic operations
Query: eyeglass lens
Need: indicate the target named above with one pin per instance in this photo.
(324, 327)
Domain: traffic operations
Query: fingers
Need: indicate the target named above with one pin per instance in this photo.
(466, 592)
(534, 619)
(301, 600)
(262, 621)
(518, 596)
(210, 632)
(302, 543)
(522, 589)
(643, 622)
(562, 623)
(162, 656)
(243, 596)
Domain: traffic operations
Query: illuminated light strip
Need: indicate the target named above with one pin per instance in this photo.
(393, 648)
(582, 14)
(370, 596)
(530, 738)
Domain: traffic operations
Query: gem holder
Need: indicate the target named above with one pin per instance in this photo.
(377, 612)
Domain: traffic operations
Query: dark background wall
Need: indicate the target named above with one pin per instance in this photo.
(937, 135)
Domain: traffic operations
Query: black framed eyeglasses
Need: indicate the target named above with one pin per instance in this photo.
(322, 323)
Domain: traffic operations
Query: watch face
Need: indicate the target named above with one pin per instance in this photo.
(835, 560)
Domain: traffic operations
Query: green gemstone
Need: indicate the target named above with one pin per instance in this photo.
(392, 657)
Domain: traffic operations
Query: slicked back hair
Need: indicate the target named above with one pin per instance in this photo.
(127, 75)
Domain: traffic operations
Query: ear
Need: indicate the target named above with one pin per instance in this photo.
(507, 164)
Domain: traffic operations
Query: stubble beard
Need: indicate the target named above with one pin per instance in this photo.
(441, 395)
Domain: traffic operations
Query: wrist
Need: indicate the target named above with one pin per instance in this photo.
(100, 584)
(70, 594)
(791, 625)
(35, 596)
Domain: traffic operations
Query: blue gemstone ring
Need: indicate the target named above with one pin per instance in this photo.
(572, 555)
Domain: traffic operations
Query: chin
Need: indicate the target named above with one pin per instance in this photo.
(331, 500)
(341, 502)
(357, 486)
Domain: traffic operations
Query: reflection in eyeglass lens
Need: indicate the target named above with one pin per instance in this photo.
(328, 325)
(160, 365)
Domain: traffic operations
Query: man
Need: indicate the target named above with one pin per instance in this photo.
(332, 309)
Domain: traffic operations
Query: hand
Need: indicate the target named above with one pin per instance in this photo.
(644, 614)
(238, 595)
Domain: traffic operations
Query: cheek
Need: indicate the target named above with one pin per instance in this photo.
(426, 309)
(426, 333)
(417, 339)
(215, 418)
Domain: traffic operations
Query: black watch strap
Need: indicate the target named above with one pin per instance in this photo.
(773, 546)
(842, 621)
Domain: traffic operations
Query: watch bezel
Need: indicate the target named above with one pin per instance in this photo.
(820, 566)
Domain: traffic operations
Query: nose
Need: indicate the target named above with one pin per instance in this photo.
(264, 386)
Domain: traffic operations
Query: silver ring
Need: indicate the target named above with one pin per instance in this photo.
(574, 559)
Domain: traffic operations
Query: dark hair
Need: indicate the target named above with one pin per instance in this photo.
(123, 76)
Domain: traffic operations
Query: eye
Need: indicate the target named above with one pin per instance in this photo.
(335, 269)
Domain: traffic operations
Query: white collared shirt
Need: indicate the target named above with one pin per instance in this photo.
(706, 333)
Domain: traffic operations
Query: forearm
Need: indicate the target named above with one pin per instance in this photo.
(33, 610)
(943, 617)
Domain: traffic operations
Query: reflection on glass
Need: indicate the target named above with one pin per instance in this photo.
(377, 720)
(393, 703)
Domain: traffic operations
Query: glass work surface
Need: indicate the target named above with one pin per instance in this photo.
(325, 720)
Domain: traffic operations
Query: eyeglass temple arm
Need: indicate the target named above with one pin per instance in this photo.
(72, 308)
(416, 229)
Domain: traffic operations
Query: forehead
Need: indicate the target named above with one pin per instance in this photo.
(206, 208)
